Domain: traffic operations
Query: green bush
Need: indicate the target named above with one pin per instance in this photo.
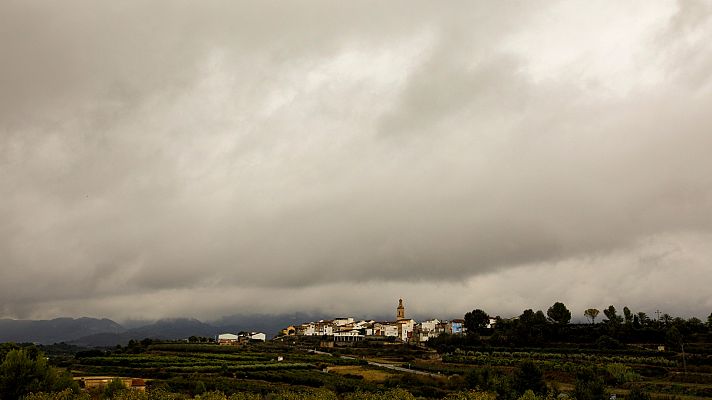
(393, 394)
(66, 394)
(622, 373)
(20, 374)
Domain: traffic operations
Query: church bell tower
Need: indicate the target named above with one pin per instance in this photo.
(400, 311)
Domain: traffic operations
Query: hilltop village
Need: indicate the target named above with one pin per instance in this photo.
(403, 329)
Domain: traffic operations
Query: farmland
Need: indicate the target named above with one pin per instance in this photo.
(265, 368)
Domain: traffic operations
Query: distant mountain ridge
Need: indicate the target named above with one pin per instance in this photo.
(55, 330)
(93, 332)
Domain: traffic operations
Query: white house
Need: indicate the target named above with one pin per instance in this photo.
(348, 335)
(307, 329)
(429, 325)
(341, 321)
(258, 336)
(405, 329)
(324, 328)
(227, 338)
(388, 329)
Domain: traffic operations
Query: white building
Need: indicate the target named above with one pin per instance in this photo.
(341, 321)
(405, 329)
(348, 335)
(429, 325)
(307, 329)
(227, 338)
(324, 328)
(388, 329)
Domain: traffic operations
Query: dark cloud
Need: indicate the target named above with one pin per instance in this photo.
(181, 157)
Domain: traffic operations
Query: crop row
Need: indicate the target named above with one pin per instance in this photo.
(236, 368)
(578, 357)
(565, 366)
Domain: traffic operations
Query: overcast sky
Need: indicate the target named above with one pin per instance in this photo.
(183, 158)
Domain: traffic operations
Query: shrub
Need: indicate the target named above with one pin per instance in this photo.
(471, 395)
(637, 393)
(622, 373)
(66, 394)
(589, 386)
(393, 394)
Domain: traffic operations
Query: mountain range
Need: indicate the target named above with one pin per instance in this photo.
(103, 332)
(94, 332)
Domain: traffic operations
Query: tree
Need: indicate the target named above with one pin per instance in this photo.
(589, 386)
(114, 387)
(673, 338)
(627, 315)
(21, 374)
(644, 319)
(529, 328)
(529, 377)
(709, 321)
(636, 322)
(476, 320)
(478, 378)
(591, 314)
(695, 325)
(613, 318)
(666, 319)
(559, 313)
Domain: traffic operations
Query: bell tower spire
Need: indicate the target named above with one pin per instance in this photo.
(400, 311)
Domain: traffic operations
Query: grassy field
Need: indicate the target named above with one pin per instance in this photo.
(366, 373)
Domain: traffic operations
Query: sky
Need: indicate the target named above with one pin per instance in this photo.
(167, 159)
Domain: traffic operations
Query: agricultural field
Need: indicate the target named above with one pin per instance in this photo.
(261, 368)
(258, 368)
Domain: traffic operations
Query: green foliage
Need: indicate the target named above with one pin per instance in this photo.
(315, 394)
(622, 373)
(393, 394)
(673, 338)
(245, 396)
(606, 342)
(559, 313)
(114, 387)
(637, 393)
(475, 321)
(502, 386)
(478, 378)
(21, 374)
(471, 395)
(211, 396)
(199, 387)
(128, 395)
(589, 386)
(529, 378)
(627, 315)
(66, 394)
(613, 319)
(529, 395)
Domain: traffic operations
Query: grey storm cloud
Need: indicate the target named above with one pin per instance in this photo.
(159, 152)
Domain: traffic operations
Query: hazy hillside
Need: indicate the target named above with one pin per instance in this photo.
(92, 332)
(55, 330)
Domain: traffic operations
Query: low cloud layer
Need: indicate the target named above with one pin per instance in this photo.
(177, 159)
